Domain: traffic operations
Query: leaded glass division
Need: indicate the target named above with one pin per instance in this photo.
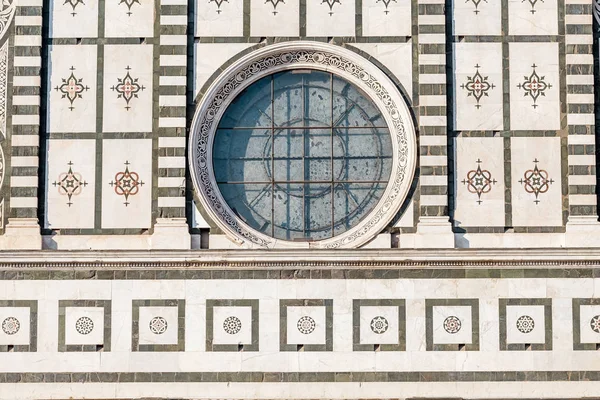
(302, 155)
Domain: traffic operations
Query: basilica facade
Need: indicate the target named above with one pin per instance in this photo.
(299, 199)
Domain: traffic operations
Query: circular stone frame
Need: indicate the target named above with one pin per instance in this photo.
(302, 55)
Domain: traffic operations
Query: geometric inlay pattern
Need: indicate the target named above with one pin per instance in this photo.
(306, 325)
(379, 325)
(595, 323)
(126, 183)
(386, 3)
(3, 88)
(275, 3)
(232, 325)
(525, 324)
(533, 3)
(128, 88)
(479, 181)
(477, 86)
(158, 325)
(71, 88)
(70, 183)
(73, 4)
(330, 3)
(476, 3)
(84, 325)
(220, 2)
(452, 324)
(129, 4)
(11, 325)
(534, 86)
(536, 181)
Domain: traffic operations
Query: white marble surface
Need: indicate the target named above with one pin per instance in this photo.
(542, 21)
(225, 19)
(445, 331)
(483, 19)
(78, 156)
(230, 336)
(87, 334)
(134, 156)
(135, 20)
(68, 21)
(544, 113)
(481, 162)
(524, 336)
(118, 114)
(391, 20)
(546, 208)
(78, 115)
(487, 113)
(281, 20)
(315, 334)
(338, 20)
(379, 325)
(14, 332)
(158, 334)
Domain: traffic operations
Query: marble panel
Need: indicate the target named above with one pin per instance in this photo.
(219, 18)
(209, 57)
(73, 19)
(379, 325)
(532, 17)
(330, 18)
(397, 57)
(477, 17)
(232, 325)
(128, 75)
(72, 88)
(478, 89)
(158, 325)
(589, 323)
(84, 326)
(387, 18)
(15, 325)
(534, 86)
(129, 18)
(71, 183)
(275, 18)
(452, 325)
(306, 325)
(536, 181)
(525, 324)
(479, 181)
(126, 183)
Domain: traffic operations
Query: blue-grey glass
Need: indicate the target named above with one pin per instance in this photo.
(318, 211)
(302, 98)
(251, 203)
(302, 155)
(288, 211)
(242, 155)
(251, 108)
(352, 108)
(352, 201)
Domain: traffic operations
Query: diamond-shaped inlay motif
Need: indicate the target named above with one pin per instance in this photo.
(479, 181)
(534, 85)
(275, 3)
(331, 3)
(533, 3)
(477, 86)
(129, 4)
(476, 3)
(126, 183)
(70, 183)
(128, 88)
(536, 181)
(218, 3)
(386, 3)
(73, 4)
(71, 88)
